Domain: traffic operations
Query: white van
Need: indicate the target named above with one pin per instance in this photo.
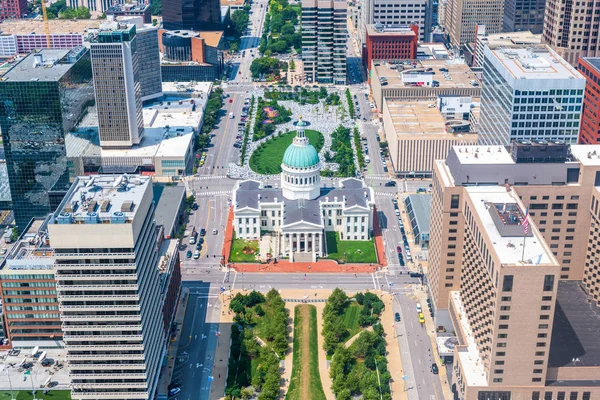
(231, 116)
(419, 309)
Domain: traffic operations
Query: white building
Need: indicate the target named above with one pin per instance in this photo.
(107, 282)
(115, 66)
(529, 94)
(396, 13)
(298, 214)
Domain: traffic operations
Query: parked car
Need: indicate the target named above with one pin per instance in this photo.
(202, 232)
(215, 231)
(421, 318)
(196, 254)
(174, 391)
(434, 368)
(189, 254)
(397, 317)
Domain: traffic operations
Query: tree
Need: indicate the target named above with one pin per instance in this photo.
(337, 300)
(292, 65)
(276, 23)
(156, 7)
(239, 22)
(234, 46)
(288, 29)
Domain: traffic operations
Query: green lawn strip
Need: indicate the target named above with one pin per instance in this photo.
(347, 250)
(294, 391)
(39, 394)
(269, 155)
(237, 254)
(316, 387)
(350, 318)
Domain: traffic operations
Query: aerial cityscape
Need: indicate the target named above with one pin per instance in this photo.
(299, 200)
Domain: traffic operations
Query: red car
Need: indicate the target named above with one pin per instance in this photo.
(399, 249)
(231, 100)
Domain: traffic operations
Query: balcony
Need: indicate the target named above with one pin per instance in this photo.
(75, 318)
(90, 395)
(88, 255)
(133, 307)
(114, 347)
(116, 375)
(101, 338)
(125, 297)
(83, 267)
(88, 288)
(85, 367)
(67, 328)
(92, 277)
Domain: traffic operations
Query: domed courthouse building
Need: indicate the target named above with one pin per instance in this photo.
(297, 214)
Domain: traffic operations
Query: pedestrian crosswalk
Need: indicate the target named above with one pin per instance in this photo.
(390, 194)
(215, 193)
(202, 177)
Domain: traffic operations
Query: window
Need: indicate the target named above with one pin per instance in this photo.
(454, 200)
(507, 283)
(536, 379)
(540, 353)
(498, 371)
(497, 380)
(502, 335)
(561, 396)
(545, 308)
(535, 396)
(548, 283)
(586, 396)
(504, 317)
(499, 362)
(506, 298)
(540, 344)
(547, 395)
(500, 354)
(543, 326)
(546, 298)
(503, 326)
(538, 362)
(544, 317)
(504, 308)
(572, 395)
(501, 345)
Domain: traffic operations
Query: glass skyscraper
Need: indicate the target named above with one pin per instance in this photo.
(41, 99)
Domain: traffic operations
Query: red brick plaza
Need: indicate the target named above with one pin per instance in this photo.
(321, 266)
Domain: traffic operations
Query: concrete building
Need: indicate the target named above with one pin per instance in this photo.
(115, 64)
(324, 30)
(191, 56)
(30, 307)
(529, 94)
(300, 214)
(589, 133)
(196, 15)
(13, 9)
(568, 30)
(523, 15)
(417, 134)
(461, 18)
(234, 5)
(418, 208)
(150, 76)
(396, 13)
(114, 346)
(497, 41)
(390, 43)
(517, 299)
(44, 96)
(421, 79)
(100, 6)
(131, 10)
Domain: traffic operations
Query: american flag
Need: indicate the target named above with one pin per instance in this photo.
(525, 222)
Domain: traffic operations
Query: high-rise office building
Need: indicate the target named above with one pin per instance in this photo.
(394, 13)
(149, 76)
(590, 119)
(324, 30)
(523, 15)
(106, 250)
(115, 65)
(529, 94)
(569, 29)
(461, 18)
(197, 15)
(390, 44)
(42, 98)
(512, 269)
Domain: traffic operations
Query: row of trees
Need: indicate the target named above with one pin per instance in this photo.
(265, 66)
(263, 129)
(246, 133)
(344, 156)
(369, 378)
(305, 96)
(211, 113)
(251, 311)
(280, 29)
(350, 103)
(359, 153)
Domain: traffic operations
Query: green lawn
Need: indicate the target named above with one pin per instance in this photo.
(350, 251)
(350, 318)
(315, 389)
(39, 394)
(237, 254)
(267, 158)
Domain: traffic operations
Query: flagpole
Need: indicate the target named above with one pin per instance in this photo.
(523, 255)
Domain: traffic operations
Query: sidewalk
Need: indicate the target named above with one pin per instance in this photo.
(167, 370)
(393, 348)
(221, 359)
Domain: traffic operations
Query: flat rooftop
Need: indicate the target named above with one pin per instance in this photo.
(177, 112)
(416, 117)
(482, 154)
(103, 198)
(508, 249)
(157, 142)
(575, 330)
(471, 362)
(421, 209)
(52, 65)
(32, 252)
(11, 374)
(593, 61)
(535, 63)
(229, 3)
(459, 73)
(511, 39)
(375, 30)
(201, 88)
(587, 154)
(167, 200)
(57, 26)
(128, 8)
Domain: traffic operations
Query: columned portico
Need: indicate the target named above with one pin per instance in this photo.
(295, 244)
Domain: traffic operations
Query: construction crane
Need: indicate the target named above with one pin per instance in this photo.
(46, 25)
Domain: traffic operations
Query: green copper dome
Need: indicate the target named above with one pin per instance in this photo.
(300, 156)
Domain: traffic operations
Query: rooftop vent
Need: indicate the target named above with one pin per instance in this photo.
(64, 218)
(127, 206)
(105, 205)
(92, 205)
(118, 218)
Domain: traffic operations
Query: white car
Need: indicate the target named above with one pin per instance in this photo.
(174, 391)
(419, 309)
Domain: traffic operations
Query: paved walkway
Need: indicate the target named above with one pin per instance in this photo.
(353, 338)
(393, 348)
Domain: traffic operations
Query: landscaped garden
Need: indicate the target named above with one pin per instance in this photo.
(350, 251)
(243, 250)
(268, 115)
(259, 341)
(28, 395)
(358, 369)
(344, 156)
(306, 380)
(267, 158)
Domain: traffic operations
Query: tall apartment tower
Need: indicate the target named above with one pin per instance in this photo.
(196, 15)
(396, 13)
(529, 93)
(115, 65)
(324, 30)
(42, 98)
(523, 15)
(569, 29)
(519, 292)
(590, 119)
(461, 18)
(106, 252)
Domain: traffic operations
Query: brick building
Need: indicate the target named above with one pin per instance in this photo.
(589, 132)
(13, 9)
(390, 43)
